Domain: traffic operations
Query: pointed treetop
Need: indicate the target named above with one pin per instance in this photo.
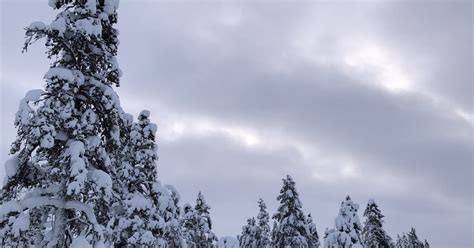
(312, 236)
(201, 205)
(263, 225)
(82, 37)
(427, 245)
(200, 199)
(144, 114)
(372, 210)
(198, 224)
(373, 234)
(348, 226)
(262, 206)
(291, 229)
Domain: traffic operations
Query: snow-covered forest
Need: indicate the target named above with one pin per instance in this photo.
(84, 172)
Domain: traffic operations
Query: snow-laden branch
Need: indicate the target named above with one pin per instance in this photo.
(39, 201)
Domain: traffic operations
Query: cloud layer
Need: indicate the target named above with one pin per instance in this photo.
(368, 99)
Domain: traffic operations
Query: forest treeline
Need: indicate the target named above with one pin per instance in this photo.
(83, 172)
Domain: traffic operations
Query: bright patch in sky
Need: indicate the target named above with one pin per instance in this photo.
(369, 58)
(348, 169)
(325, 165)
(204, 127)
(465, 115)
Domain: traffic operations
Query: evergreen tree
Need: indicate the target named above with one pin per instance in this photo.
(274, 232)
(151, 210)
(172, 230)
(413, 240)
(263, 218)
(257, 233)
(59, 185)
(347, 231)
(197, 225)
(290, 230)
(410, 240)
(426, 245)
(141, 221)
(249, 236)
(189, 224)
(313, 237)
(402, 241)
(373, 234)
(206, 237)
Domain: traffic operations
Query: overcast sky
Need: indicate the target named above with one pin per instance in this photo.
(369, 98)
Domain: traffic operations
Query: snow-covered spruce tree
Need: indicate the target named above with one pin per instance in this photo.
(256, 233)
(402, 241)
(410, 240)
(140, 222)
(291, 227)
(206, 237)
(197, 225)
(413, 240)
(148, 213)
(189, 224)
(274, 232)
(347, 231)
(313, 237)
(171, 215)
(59, 185)
(426, 244)
(250, 233)
(373, 235)
(264, 238)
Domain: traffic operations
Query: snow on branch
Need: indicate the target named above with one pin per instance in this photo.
(39, 201)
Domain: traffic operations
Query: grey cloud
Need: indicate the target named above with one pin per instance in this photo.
(435, 36)
(233, 178)
(403, 133)
(245, 64)
(321, 104)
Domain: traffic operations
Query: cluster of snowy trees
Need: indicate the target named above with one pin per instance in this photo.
(84, 174)
(292, 228)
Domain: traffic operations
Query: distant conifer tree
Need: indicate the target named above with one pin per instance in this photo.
(291, 230)
(347, 229)
(373, 234)
(197, 225)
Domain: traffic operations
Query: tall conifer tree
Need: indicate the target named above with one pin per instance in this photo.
(141, 222)
(59, 185)
(172, 212)
(402, 241)
(410, 240)
(249, 237)
(197, 225)
(347, 227)
(290, 230)
(256, 233)
(263, 218)
(413, 240)
(313, 237)
(373, 234)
